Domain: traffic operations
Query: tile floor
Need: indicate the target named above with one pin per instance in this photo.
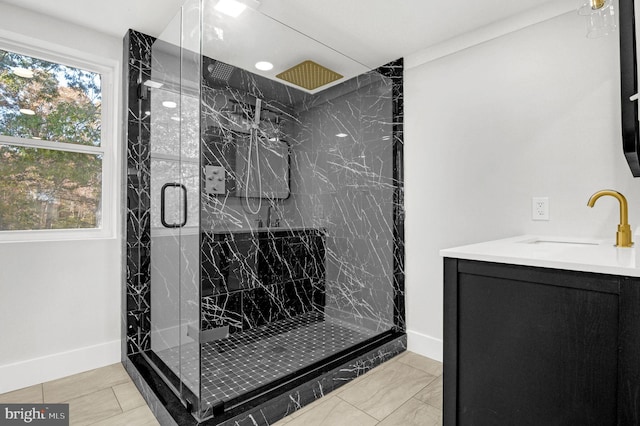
(405, 391)
(245, 361)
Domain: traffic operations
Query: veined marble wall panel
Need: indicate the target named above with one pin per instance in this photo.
(136, 316)
(254, 278)
(345, 183)
(228, 121)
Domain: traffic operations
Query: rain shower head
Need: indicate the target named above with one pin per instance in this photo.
(220, 71)
(309, 75)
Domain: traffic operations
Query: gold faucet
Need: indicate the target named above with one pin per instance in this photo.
(623, 236)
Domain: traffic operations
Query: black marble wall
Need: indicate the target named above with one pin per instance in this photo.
(136, 316)
(254, 278)
(343, 180)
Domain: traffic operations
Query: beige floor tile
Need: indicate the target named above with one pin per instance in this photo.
(399, 356)
(358, 379)
(311, 406)
(333, 412)
(420, 362)
(432, 394)
(338, 391)
(414, 413)
(94, 407)
(284, 421)
(140, 416)
(128, 396)
(30, 395)
(67, 388)
(384, 391)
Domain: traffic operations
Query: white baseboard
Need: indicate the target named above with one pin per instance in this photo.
(425, 345)
(51, 367)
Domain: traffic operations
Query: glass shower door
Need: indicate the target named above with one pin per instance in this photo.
(174, 219)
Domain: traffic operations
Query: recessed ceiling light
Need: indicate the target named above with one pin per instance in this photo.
(264, 66)
(169, 104)
(342, 135)
(27, 111)
(23, 72)
(232, 8)
(153, 84)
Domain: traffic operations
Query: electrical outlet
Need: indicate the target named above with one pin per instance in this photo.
(540, 208)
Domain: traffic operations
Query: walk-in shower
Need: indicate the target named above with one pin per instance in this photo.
(265, 255)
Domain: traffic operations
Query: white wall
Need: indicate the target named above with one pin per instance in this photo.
(532, 113)
(60, 300)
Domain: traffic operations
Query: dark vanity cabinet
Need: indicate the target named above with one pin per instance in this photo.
(536, 346)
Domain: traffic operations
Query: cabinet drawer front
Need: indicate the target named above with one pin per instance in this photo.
(555, 277)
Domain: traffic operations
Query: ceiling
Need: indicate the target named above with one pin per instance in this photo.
(345, 34)
(370, 28)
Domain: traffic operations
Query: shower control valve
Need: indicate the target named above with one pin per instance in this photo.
(214, 176)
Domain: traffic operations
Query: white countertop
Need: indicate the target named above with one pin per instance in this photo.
(574, 254)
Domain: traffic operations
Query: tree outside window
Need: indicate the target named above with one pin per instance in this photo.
(50, 145)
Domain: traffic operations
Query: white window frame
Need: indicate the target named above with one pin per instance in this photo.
(108, 140)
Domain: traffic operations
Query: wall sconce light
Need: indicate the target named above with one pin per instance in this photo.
(601, 17)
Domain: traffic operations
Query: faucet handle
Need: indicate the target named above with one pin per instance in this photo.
(623, 236)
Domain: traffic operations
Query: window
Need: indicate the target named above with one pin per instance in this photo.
(52, 146)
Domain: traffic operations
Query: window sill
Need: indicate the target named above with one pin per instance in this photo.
(55, 235)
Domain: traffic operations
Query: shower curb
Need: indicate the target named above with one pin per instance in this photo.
(169, 411)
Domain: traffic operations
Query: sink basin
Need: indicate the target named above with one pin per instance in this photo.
(562, 242)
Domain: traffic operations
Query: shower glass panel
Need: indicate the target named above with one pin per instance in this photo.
(298, 242)
(173, 92)
(272, 210)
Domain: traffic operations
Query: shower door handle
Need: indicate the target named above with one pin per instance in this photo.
(163, 205)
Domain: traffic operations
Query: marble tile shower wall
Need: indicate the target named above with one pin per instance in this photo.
(346, 186)
(252, 279)
(137, 314)
(252, 275)
(227, 116)
(342, 187)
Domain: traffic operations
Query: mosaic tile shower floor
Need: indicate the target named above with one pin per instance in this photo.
(246, 361)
